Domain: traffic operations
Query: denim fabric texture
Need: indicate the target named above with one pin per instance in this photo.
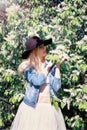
(34, 82)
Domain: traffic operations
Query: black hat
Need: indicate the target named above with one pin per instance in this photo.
(33, 43)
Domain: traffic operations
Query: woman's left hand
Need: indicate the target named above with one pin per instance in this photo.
(64, 57)
(58, 65)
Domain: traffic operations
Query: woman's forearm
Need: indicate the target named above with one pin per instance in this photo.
(57, 73)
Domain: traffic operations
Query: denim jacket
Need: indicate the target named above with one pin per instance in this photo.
(35, 80)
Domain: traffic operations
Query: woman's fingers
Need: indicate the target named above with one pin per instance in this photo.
(64, 57)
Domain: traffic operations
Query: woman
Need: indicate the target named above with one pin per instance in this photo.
(43, 82)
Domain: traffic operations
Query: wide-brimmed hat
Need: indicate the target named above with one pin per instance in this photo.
(33, 43)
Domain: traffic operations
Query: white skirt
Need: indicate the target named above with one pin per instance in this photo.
(43, 117)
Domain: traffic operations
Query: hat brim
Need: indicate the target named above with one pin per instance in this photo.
(47, 42)
(26, 54)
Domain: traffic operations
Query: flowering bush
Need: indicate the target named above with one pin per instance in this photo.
(66, 23)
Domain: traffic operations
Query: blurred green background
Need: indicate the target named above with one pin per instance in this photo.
(66, 22)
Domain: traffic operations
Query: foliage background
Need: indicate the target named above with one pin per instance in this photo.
(66, 22)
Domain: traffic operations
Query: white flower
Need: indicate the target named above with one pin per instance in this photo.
(1, 69)
(13, 61)
(75, 72)
(11, 71)
(12, 9)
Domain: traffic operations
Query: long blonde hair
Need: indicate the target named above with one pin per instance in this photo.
(32, 61)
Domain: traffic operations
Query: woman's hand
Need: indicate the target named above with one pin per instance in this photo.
(64, 57)
(58, 65)
(23, 66)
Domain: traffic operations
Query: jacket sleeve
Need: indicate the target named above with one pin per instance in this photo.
(54, 81)
(37, 79)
